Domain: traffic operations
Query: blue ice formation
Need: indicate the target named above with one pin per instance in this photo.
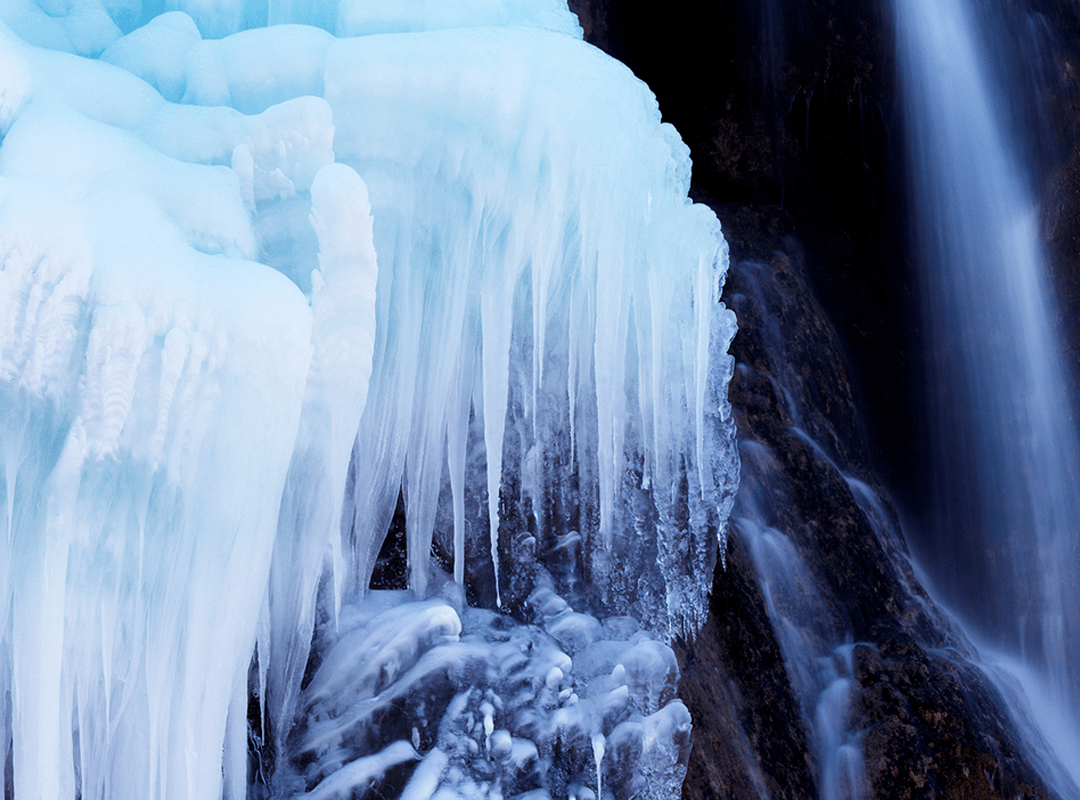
(255, 290)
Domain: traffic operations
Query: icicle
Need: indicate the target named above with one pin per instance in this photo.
(496, 323)
(235, 765)
(573, 377)
(488, 711)
(705, 290)
(598, 742)
(457, 432)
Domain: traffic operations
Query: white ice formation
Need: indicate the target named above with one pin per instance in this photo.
(259, 294)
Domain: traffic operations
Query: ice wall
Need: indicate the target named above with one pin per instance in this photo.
(256, 289)
(151, 386)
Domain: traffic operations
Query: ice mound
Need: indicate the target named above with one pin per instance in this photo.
(437, 699)
(82, 26)
(264, 299)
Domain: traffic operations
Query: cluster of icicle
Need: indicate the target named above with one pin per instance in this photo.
(254, 290)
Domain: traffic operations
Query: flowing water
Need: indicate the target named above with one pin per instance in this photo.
(1006, 493)
(817, 649)
(809, 617)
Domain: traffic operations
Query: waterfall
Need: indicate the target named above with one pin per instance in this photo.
(1005, 458)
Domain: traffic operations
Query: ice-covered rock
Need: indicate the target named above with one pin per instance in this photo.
(484, 701)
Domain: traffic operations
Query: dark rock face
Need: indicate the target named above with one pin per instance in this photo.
(936, 729)
(748, 739)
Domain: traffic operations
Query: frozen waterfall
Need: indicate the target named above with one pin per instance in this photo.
(262, 293)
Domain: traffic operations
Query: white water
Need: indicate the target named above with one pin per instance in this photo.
(254, 289)
(1007, 524)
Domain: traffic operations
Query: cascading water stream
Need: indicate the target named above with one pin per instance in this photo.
(812, 629)
(1006, 497)
(816, 650)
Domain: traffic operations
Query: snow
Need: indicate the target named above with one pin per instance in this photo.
(359, 773)
(254, 289)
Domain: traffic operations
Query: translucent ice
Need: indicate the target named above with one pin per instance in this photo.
(502, 190)
(258, 295)
(491, 703)
(151, 400)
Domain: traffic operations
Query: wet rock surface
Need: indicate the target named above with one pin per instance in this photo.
(1059, 98)
(930, 723)
(748, 739)
(935, 728)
